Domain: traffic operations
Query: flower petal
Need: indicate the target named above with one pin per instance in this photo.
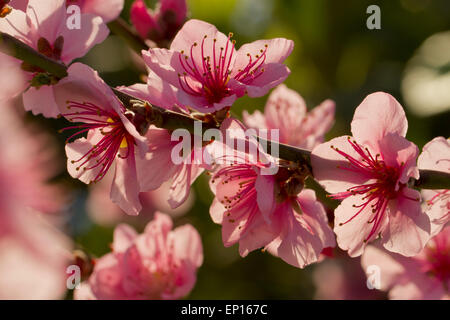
(409, 228)
(41, 101)
(78, 42)
(125, 186)
(378, 115)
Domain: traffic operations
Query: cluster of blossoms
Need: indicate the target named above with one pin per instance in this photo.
(260, 199)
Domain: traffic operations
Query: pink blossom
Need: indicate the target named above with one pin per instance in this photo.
(370, 172)
(107, 9)
(209, 74)
(436, 156)
(112, 138)
(162, 24)
(44, 27)
(33, 253)
(158, 264)
(286, 110)
(258, 210)
(423, 277)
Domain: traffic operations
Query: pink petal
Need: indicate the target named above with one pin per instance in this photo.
(188, 245)
(255, 120)
(352, 234)
(141, 18)
(157, 166)
(296, 245)
(398, 152)
(378, 115)
(393, 267)
(165, 64)
(124, 236)
(278, 50)
(75, 152)
(106, 280)
(16, 82)
(108, 10)
(409, 228)
(41, 101)
(156, 92)
(435, 155)
(257, 235)
(317, 123)
(265, 188)
(217, 210)
(316, 217)
(78, 42)
(181, 184)
(303, 236)
(15, 24)
(47, 17)
(273, 75)
(83, 84)
(194, 31)
(125, 186)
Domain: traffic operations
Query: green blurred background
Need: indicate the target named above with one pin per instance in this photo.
(335, 57)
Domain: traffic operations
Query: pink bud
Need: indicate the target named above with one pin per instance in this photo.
(142, 18)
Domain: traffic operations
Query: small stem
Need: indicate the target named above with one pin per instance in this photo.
(16, 48)
(160, 117)
(121, 28)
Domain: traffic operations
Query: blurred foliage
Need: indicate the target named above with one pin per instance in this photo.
(335, 57)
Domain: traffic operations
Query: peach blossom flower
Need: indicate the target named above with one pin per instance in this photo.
(158, 264)
(370, 173)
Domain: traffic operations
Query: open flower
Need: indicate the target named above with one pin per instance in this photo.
(258, 210)
(112, 138)
(158, 264)
(370, 172)
(162, 24)
(436, 156)
(107, 9)
(425, 276)
(286, 110)
(44, 27)
(209, 74)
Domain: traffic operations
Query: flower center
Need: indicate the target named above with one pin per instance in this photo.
(437, 254)
(377, 194)
(245, 187)
(116, 140)
(213, 73)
